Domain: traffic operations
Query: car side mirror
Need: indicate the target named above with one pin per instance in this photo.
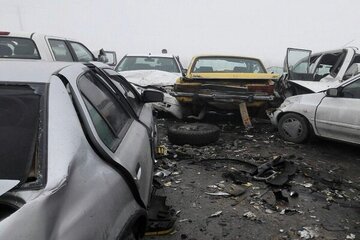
(332, 92)
(108, 57)
(149, 96)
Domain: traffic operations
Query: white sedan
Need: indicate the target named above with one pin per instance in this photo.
(333, 114)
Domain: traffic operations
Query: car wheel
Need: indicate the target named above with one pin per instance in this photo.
(194, 134)
(293, 128)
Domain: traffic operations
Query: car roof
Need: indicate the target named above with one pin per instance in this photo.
(30, 35)
(150, 55)
(223, 55)
(30, 71)
(356, 50)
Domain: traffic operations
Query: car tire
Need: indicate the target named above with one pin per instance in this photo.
(198, 134)
(293, 128)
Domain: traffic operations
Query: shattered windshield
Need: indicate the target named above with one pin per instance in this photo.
(21, 125)
(20, 48)
(227, 64)
(132, 63)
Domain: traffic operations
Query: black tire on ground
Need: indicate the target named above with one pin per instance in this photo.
(198, 134)
(293, 128)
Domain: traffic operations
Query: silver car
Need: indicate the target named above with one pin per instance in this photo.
(76, 153)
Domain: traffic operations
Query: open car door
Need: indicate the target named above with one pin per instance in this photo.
(297, 63)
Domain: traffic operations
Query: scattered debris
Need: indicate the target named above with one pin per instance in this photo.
(218, 193)
(250, 215)
(167, 184)
(216, 214)
(235, 190)
(308, 233)
(307, 185)
(162, 174)
(288, 211)
(351, 236)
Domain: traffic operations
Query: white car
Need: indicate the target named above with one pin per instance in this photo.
(154, 71)
(309, 72)
(40, 47)
(333, 114)
(77, 154)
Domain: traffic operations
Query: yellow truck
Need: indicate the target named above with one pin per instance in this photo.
(222, 83)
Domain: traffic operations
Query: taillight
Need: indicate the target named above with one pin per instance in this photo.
(4, 33)
(264, 89)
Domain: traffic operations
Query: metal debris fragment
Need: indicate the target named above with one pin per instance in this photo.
(218, 194)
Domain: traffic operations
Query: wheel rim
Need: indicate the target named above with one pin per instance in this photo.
(292, 128)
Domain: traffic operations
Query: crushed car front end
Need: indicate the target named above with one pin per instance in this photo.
(223, 82)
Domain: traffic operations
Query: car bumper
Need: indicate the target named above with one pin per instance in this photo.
(273, 114)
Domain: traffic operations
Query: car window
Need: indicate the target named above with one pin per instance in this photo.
(352, 90)
(60, 50)
(81, 52)
(20, 48)
(126, 89)
(131, 63)
(107, 115)
(22, 132)
(227, 64)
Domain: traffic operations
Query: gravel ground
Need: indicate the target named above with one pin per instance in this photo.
(327, 183)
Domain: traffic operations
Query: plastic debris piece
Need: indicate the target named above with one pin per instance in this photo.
(307, 185)
(216, 214)
(293, 194)
(250, 215)
(288, 211)
(167, 184)
(269, 211)
(162, 173)
(307, 233)
(350, 236)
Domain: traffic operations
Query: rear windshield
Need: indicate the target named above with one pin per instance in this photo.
(22, 133)
(227, 64)
(131, 63)
(19, 48)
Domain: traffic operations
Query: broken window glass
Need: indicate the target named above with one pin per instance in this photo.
(21, 133)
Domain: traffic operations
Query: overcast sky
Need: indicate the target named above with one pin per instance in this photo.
(256, 28)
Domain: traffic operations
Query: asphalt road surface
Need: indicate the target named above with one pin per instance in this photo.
(320, 200)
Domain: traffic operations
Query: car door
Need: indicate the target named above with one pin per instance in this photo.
(339, 117)
(297, 64)
(124, 138)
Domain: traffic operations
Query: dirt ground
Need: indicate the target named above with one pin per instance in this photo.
(320, 201)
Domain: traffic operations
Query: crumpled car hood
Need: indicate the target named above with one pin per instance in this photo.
(150, 77)
(315, 86)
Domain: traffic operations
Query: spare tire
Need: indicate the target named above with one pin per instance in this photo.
(193, 133)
